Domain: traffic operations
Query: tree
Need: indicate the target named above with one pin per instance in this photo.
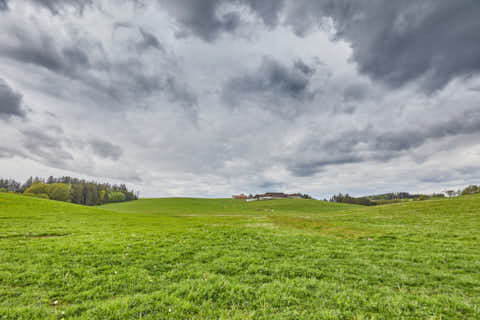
(70, 189)
(26, 185)
(60, 192)
(116, 196)
(103, 196)
(471, 190)
(77, 193)
(37, 188)
(348, 199)
(3, 189)
(91, 195)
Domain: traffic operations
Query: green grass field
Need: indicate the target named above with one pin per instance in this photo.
(227, 259)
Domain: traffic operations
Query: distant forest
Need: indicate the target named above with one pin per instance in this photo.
(387, 198)
(70, 189)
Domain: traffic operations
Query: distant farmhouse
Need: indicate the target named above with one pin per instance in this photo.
(451, 193)
(240, 196)
(269, 196)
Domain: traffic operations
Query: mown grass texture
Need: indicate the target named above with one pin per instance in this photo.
(226, 259)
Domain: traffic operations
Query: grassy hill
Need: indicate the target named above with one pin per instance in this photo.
(184, 206)
(221, 258)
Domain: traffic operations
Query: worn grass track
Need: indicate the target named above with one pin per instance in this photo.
(221, 258)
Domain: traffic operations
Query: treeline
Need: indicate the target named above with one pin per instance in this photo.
(70, 189)
(387, 198)
(345, 198)
(473, 189)
(393, 196)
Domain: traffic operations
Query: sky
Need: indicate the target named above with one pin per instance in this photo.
(212, 98)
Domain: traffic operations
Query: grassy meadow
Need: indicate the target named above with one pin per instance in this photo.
(183, 258)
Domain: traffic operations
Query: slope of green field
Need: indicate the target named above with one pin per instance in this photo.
(198, 206)
(227, 259)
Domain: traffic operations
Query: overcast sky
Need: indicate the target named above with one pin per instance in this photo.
(209, 98)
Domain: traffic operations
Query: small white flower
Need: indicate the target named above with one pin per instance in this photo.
(55, 302)
(169, 310)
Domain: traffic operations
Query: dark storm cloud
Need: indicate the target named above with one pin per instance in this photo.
(3, 5)
(204, 19)
(43, 51)
(201, 19)
(10, 102)
(114, 80)
(401, 41)
(273, 80)
(394, 42)
(106, 149)
(356, 146)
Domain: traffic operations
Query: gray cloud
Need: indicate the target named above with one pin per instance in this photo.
(205, 19)
(395, 42)
(201, 19)
(356, 146)
(114, 80)
(146, 39)
(10, 102)
(402, 41)
(106, 149)
(467, 175)
(3, 5)
(43, 51)
(271, 186)
(6, 152)
(57, 6)
(149, 40)
(213, 97)
(355, 92)
(273, 82)
(46, 146)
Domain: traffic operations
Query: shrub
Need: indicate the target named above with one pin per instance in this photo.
(116, 196)
(3, 190)
(55, 191)
(37, 188)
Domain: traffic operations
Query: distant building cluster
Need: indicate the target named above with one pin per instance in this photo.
(269, 196)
